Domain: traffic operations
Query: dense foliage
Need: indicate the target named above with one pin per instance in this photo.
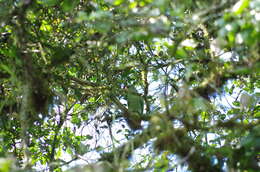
(129, 85)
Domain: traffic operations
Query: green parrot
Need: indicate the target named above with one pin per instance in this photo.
(135, 104)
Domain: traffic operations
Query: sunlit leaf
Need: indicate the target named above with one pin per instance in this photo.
(240, 6)
(45, 26)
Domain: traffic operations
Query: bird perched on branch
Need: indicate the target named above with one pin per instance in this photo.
(135, 104)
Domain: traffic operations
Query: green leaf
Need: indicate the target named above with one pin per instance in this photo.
(69, 151)
(240, 6)
(118, 2)
(68, 5)
(88, 137)
(45, 26)
(76, 120)
(82, 16)
(82, 149)
(181, 53)
(5, 165)
(59, 153)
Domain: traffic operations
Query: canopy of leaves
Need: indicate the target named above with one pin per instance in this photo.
(65, 66)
